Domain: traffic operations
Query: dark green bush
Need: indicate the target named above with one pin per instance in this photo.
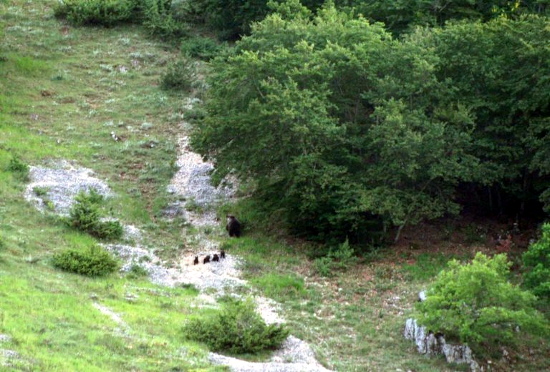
(159, 20)
(475, 304)
(237, 328)
(204, 48)
(86, 215)
(180, 76)
(91, 261)
(19, 168)
(96, 12)
(537, 263)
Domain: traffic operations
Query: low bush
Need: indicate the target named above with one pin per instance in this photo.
(476, 305)
(19, 168)
(158, 18)
(181, 75)
(536, 261)
(96, 12)
(86, 215)
(236, 328)
(338, 259)
(136, 271)
(204, 48)
(91, 261)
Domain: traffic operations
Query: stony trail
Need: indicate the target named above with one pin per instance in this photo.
(54, 186)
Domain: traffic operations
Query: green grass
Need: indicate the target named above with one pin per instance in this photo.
(61, 96)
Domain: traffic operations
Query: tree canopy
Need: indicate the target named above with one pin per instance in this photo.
(341, 126)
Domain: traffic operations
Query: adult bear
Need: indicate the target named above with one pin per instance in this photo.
(233, 226)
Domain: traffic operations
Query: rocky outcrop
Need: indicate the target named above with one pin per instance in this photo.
(431, 344)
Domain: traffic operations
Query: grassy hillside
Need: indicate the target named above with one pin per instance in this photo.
(63, 90)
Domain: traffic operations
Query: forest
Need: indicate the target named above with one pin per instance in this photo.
(350, 119)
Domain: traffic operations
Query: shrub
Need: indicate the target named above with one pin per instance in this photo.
(136, 271)
(204, 48)
(86, 215)
(91, 261)
(96, 12)
(19, 168)
(338, 259)
(159, 20)
(537, 262)
(237, 328)
(180, 76)
(475, 304)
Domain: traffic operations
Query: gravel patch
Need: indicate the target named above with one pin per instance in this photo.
(9, 354)
(5, 338)
(192, 181)
(294, 355)
(55, 187)
(222, 277)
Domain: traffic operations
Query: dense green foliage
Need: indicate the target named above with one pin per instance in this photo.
(346, 131)
(234, 18)
(96, 12)
(204, 48)
(340, 125)
(475, 304)
(500, 72)
(400, 16)
(87, 215)
(236, 328)
(91, 261)
(160, 20)
(537, 262)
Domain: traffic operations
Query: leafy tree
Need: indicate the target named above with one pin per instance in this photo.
(401, 16)
(336, 123)
(475, 304)
(500, 71)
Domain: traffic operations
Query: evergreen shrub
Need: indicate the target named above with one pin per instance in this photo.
(237, 328)
(96, 12)
(158, 18)
(201, 47)
(86, 215)
(91, 261)
(181, 75)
